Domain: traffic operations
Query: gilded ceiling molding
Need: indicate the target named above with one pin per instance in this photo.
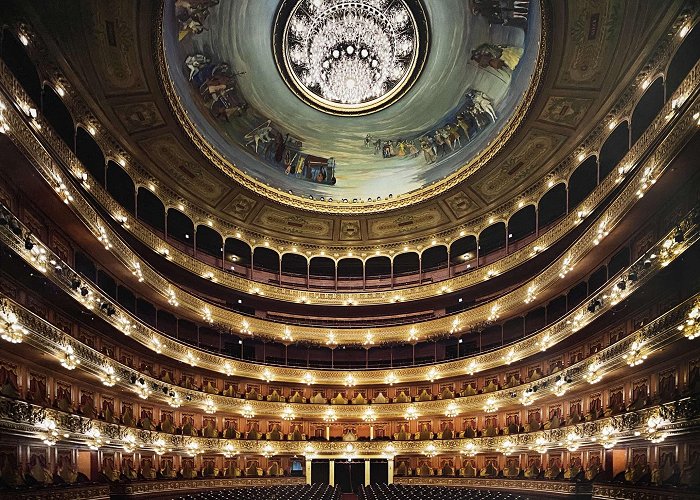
(114, 151)
(483, 273)
(406, 200)
(361, 298)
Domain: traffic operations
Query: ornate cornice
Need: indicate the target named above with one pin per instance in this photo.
(666, 250)
(277, 195)
(623, 107)
(653, 166)
(73, 492)
(23, 419)
(657, 334)
(623, 492)
(202, 484)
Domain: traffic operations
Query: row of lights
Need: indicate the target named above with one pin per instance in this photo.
(91, 129)
(566, 267)
(635, 355)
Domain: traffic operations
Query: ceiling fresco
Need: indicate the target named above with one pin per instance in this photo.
(473, 66)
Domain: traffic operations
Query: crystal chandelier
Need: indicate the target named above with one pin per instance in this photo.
(411, 413)
(330, 415)
(540, 445)
(229, 451)
(451, 410)
(350, 55)
(469, 450)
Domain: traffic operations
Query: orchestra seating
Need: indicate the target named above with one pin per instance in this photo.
(287, 492)
(419, 492)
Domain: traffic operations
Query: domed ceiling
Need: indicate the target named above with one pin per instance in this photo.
(350, 101)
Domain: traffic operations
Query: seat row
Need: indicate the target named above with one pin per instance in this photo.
(287, 492)
(420, 492)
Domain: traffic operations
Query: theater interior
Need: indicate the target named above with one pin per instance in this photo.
(349, 249)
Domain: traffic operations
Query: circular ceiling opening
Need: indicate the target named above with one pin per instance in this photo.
(352, 105)
(350, 57)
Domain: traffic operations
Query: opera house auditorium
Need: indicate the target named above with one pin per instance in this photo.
(350, 249)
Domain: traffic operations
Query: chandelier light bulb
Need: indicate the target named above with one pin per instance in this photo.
(268, 451)
(411, 413)
(247, 411)
(540, 445)
(469, 450)
(230, 451)
(288, 413)
(490, 406)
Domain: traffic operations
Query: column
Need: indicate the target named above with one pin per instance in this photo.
(371, 432)
(390, 475)
(308, 471)
(366, 472)
(331, 472)
(328, 433)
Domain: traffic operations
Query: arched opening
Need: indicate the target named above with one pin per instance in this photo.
(647, 108)
(379, 266)
(583, 181)
(209, 241)
(146, 312)
(107, 284)
(57, 114)
(237, 252)
(513, 330)
(491, 337)
(90, 155)
(614, 149)
(180, 227)
(535, 320)
(126, 299)
(577, 295)
(463, 249)
(322, 267)
(85, 266)
(619, 261)
(266, 259)
(406, 263)
(209, 339)
(350, 268)
(492, 238)
(187, 332)
(150, 209)
(597, 279)
(434, 258)
(523, 223)
(552, 205)
(17, 60)
(683, 61)
(556, 309)
(167, 323)
(294, 264)
(120, 186)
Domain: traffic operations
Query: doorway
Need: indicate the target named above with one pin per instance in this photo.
(349, 475)
(319, 471)
(378, 471)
